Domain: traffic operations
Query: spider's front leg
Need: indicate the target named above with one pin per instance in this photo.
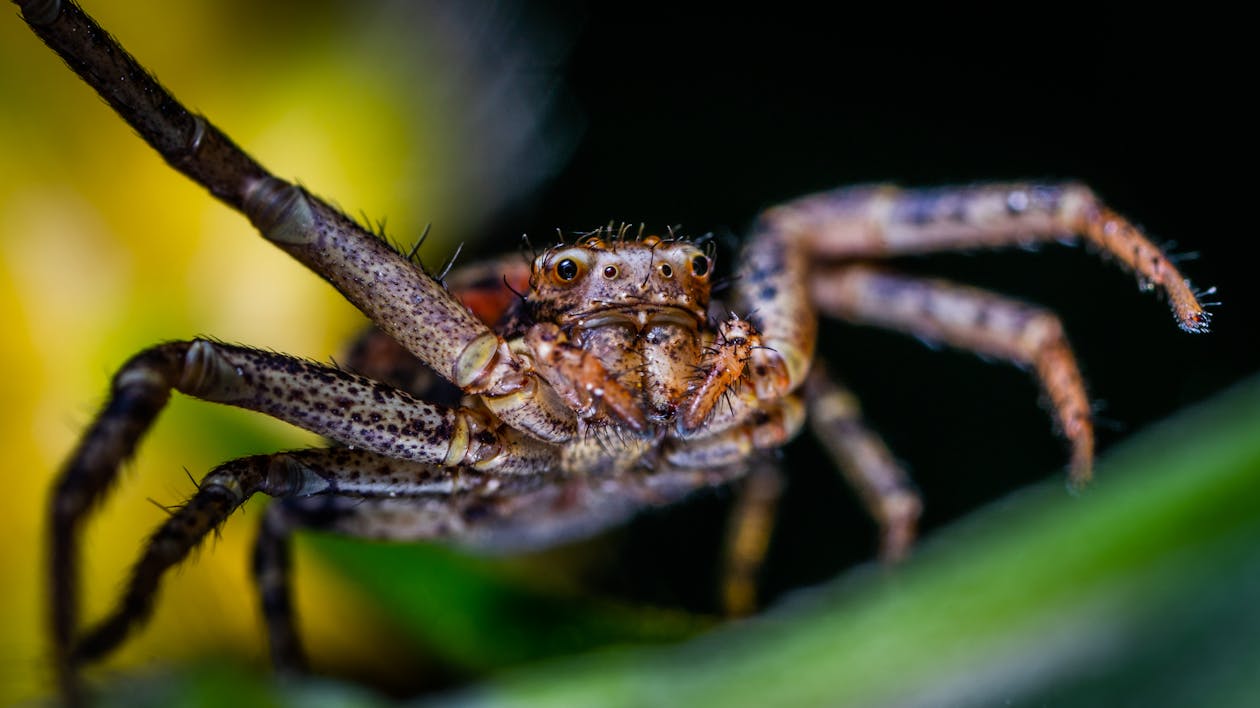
(409, 306)
(782, 283)
(879, 222)
(375, 419)
(883, 221)
(404, 301)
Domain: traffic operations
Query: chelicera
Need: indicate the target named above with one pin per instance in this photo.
(520, 403)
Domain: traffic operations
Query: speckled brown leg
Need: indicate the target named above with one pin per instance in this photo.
(483, 513)
(354, 480)
(488, 289)
(772, 286)
(748, 538)
(336, 473)
(136, 400)
(347, 408)
(974, 320)
(273, 570)
(402, 299)
(338, 513)
(219, 494)
(866, 462)
(881, 221)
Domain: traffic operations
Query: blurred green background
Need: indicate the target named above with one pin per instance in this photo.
(670, 117)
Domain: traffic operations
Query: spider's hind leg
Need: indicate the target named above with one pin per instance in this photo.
(357, 481)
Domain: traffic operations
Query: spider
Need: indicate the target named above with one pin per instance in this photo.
(519, 404)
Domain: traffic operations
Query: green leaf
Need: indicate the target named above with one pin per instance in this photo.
(472, 613)
(1142, 591)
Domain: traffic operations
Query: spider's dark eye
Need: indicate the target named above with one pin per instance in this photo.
(666, 271)
(566, 269)
(699, 266)
(610, 272)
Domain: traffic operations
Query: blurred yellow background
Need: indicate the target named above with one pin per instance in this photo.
(104, 250)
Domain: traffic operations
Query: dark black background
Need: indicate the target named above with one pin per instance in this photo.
(703, 118)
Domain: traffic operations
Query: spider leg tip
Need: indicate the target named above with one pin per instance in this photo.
(1196, 322)
(1079, 482)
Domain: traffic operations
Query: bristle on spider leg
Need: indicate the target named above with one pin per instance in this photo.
(441, 278)
(1207, 292)
(168, 510)
(415, 247)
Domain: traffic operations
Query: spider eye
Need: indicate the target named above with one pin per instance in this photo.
(610, 272)
(699, 266)
(566, 269)
(666, 271)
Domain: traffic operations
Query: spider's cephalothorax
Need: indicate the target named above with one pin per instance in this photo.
(605, 389)
(637, 308)
(635, 314)
(619, 330)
